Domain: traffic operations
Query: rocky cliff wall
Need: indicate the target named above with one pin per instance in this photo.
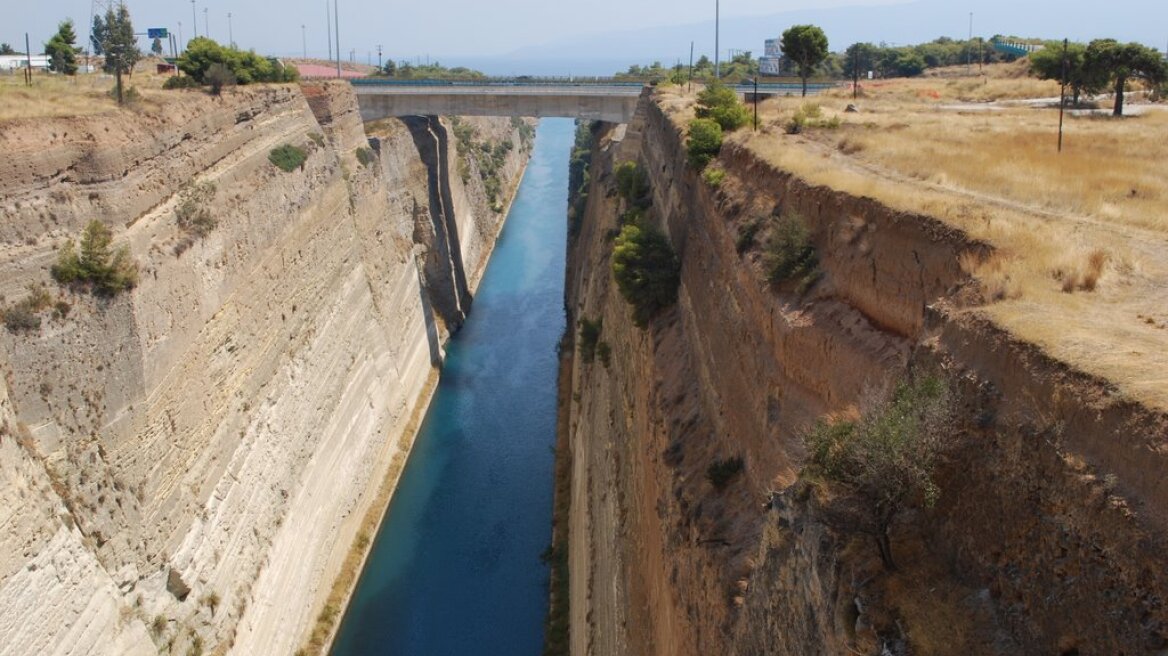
(187, 463)
(1046, 538)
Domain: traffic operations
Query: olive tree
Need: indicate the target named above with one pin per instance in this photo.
(1120, 62)
(889, 455)
(806, 45)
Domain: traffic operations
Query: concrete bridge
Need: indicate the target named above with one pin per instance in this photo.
(613, 102)
(599, 100)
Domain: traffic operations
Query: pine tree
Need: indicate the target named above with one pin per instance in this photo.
(97, 35)
(62, 49)
(119, 44)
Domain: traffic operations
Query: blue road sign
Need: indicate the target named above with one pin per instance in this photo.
(157, 33)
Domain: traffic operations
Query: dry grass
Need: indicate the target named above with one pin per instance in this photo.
(1081, 238)
(60, 95)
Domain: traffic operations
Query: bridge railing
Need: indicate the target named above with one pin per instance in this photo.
(497, 81)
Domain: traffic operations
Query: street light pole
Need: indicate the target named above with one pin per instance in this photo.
(717, 34)
(206, 22)
(379, 56)
(969, 48)
(230, 33)
(337, 34)
(304, 39)
(194, 21)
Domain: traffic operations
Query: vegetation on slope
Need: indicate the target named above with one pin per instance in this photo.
(97, 266)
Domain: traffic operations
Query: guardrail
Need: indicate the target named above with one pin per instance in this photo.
(497, 82)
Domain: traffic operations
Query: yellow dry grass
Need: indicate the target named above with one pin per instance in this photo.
(1081, 238)
(61, 95)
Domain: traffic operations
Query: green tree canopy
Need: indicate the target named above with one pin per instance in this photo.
(720, 102)
(1120, 62)
(246, 66)
(62, 50)
(806, 45)
(646, 270)
(705, 140)
(97, 34)
(6, 49)
(119, 44)
(1047, 64)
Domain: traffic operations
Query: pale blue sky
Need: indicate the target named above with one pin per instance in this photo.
(521, 35)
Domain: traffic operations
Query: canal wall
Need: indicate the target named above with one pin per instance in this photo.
(1037, 542)
(186, 465)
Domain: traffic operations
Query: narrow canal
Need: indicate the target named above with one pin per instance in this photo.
(455, 569)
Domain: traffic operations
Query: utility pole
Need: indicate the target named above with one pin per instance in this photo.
(379, 56)
(1063, 94)
(337, 34)
(230, 33)
(691, 44)
(194, 21)
(28, 60)
(304, 39)
(717, 33)
(856, 72)
(328, 28)
(969, 48)
(182, 44)
(756, 103)
(206, 22)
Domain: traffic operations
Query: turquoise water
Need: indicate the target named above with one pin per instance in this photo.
(455, 569)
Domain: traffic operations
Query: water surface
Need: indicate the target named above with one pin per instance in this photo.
(455, 569)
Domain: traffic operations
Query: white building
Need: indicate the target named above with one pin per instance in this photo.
(9, 63)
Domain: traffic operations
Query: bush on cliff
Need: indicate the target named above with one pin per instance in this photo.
(789, 253)
(107, 272)
(889, 455)
(646, 270)
(589, 335)
(632, 183)
(704, 143)
(287, 157)
(247, 67)
(720, 103)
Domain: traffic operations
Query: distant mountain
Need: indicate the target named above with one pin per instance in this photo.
(909, 23)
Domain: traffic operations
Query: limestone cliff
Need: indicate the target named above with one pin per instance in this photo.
(186, 464)
(1048, 536)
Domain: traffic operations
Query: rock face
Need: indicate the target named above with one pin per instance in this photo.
(185, 465)
(1048, 536)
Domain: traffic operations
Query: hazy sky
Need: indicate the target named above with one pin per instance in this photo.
(475, 31)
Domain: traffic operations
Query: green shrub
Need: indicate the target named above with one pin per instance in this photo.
(714, 176)
(218, 75)
(192, 214)
(810, 115)
(721, 472)
(245, 67)
(789, 251)
(888, 457)
(646, 270)
(705, 141)
(106, 271)
(287, 157)
(22, 317)
(589, 334)
(365, 156)
(180, 82)
(720, 103)
(632, 183)
(746, 235)
(604, 352)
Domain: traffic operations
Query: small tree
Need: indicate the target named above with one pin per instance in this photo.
(1048, 64)
(720, 102)
(705, 140)
(1120, 62)
(108, 271)
(6, 49)
(218, 76)
(806, 45)
(62, 50)
(646, 270)
(119, 44)
(889, 456)
(156, 47)
(858, 60)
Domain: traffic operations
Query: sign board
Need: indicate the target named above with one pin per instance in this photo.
(157, 33)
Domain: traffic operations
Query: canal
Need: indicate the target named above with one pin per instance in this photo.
(455, 568)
